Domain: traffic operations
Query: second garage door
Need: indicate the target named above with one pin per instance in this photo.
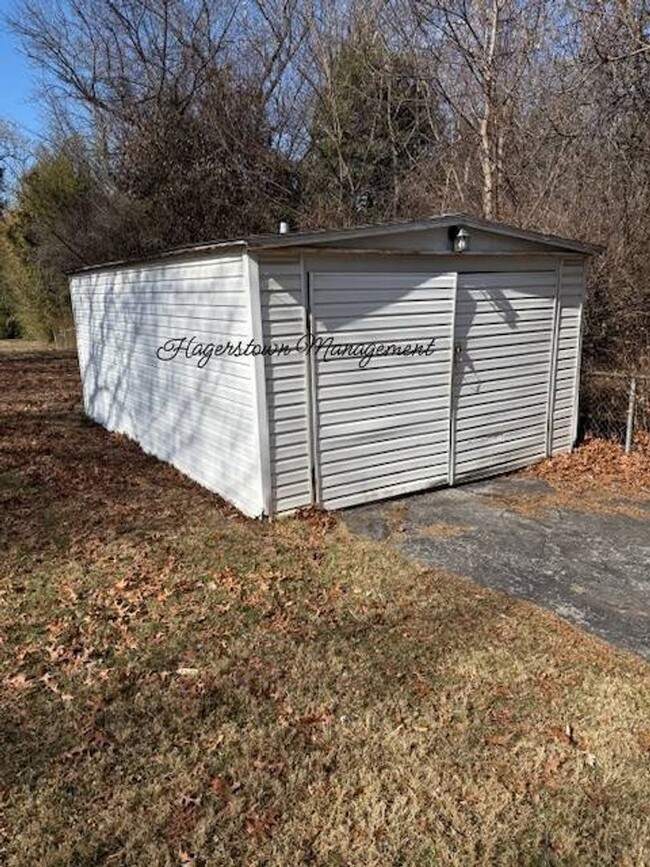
(503, 361)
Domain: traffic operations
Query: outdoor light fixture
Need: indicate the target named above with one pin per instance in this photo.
(461, 241)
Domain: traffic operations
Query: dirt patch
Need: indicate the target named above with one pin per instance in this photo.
(397, 524)
(396, 515)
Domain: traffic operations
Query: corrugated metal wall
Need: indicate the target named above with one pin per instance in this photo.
(203, 421)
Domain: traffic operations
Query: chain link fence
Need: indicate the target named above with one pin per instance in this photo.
(614, 405)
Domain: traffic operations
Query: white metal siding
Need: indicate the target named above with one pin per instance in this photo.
(201, 420)
(381, 430)
(283, 320)
(377, 432)
(565, 406)
(504, 335)
(374, 432)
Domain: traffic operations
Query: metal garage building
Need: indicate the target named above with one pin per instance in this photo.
(339, 367)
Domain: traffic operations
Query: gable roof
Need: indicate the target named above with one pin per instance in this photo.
(327, 237)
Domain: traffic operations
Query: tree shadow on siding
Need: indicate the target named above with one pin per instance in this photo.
(194, 418)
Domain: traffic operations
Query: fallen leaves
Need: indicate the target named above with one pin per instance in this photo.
(600, 463)
(221, 787)
(18, 682)
(181, 685)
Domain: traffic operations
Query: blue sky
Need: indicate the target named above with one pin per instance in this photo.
(17, 81)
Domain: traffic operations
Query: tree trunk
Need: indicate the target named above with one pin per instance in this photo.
(486, 125)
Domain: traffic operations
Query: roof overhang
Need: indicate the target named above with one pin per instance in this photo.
(330, 238)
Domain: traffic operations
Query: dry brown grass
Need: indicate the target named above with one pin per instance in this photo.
(23, 346)
(441, 530)
(596, 477)
(397, 519)
(179, 685)
(590, 499)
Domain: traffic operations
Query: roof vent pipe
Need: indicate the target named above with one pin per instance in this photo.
(284, 227)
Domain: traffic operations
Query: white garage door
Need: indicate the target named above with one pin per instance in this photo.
(503, 341)
(382, 429)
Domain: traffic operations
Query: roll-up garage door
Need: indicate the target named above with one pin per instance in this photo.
(502, 361)
(381, 428)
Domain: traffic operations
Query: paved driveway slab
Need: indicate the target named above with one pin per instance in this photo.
(592, 569)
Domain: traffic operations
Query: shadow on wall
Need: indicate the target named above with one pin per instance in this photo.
(198, 419)
(466, 373)
(402, 404)
(202, 420)
(498, 303)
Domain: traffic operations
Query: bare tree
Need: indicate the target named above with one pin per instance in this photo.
(13, 157)
(533, 111)
(478, 55)
(173, 103)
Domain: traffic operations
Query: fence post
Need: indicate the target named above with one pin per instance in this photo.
(629, 430)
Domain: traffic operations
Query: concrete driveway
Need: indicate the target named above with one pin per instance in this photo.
(591, 569)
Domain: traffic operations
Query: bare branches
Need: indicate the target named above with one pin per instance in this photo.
(533, 111)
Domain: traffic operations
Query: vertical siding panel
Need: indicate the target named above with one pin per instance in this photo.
(283, 320)
(565, 414)
(552, 376)
(260, 402)
(576, 382)
(310, 390)
(200, 420)
(452, 388)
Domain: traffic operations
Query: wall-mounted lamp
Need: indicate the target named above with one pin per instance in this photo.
(460, 238)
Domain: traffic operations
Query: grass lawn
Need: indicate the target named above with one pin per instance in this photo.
(181, 685)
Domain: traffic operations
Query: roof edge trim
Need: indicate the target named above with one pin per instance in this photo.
(326, 237)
